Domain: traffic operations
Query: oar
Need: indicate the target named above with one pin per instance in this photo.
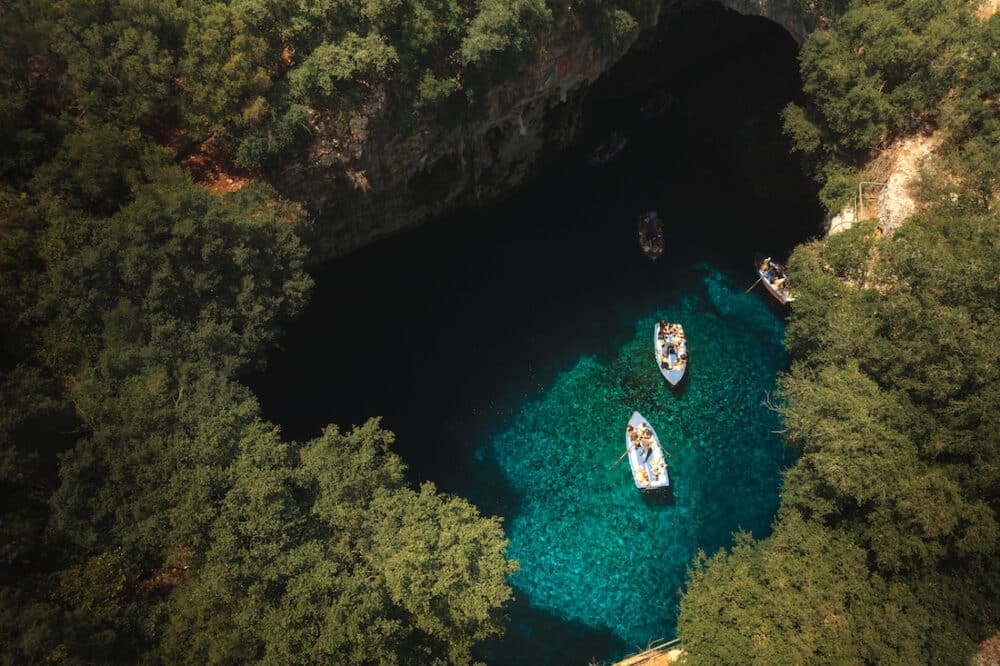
(622, 456)
(754, 284)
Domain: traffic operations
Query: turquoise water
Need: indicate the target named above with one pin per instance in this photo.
(592, 549)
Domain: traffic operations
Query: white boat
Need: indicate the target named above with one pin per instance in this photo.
(645, 455)
(670, 351)
(773, 277)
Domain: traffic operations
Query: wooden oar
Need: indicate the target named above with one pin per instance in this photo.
(754, 284)
(620, 458)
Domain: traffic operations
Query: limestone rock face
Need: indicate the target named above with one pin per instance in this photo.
(382, 173)
(842, 221)
(786, 13)
(896, 201)
(897, 170)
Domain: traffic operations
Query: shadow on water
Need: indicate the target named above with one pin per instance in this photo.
(659, 497)
(536, 637)
(680, 388)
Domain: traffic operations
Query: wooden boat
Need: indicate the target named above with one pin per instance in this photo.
(651, 235)
(670, 352)
(645, 455)
(774, 283)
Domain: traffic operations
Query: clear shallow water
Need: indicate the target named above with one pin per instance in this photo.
(507, 346)
(591, 547)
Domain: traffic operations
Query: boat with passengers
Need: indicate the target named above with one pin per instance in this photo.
(670, 350)
(645, 455)
(650, 233)
(772, 274)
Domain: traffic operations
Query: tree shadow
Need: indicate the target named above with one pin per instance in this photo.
(537, 637)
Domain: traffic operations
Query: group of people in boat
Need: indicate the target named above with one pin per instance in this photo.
(652, 244)
(651, 235)
(673, 346)
(774, 273)
(642, 440)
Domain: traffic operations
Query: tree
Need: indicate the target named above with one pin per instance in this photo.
(93, 171)
(333, 75)
(117, 56)
(331, 559)
(212, 276)
(804, 595)
(502, 27)
(443, 564)
(225, 68)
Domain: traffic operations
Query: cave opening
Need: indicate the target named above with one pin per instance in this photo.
(468, 332)
(703, 91)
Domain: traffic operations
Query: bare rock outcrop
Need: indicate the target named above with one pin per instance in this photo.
(890, 194)
(896, 201)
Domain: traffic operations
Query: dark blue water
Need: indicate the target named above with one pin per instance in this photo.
(508, 346)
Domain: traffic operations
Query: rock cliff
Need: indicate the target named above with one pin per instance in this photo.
(888, 191)
(376, 178)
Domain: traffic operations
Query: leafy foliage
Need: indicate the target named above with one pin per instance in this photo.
(804, 595)
(502, 26)
(158, 516)
(881, 70)
(344, 564)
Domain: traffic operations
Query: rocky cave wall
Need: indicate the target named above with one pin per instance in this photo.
(376, 179)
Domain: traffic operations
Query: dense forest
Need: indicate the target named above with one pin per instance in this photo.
(157, 516)
(885, 548)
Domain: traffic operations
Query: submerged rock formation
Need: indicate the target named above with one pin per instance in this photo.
(380, 175)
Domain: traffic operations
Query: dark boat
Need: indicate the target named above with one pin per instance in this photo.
(651, 235)
(608, 150)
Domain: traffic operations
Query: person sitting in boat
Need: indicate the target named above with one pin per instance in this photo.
(630, 433)
(643, 450)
